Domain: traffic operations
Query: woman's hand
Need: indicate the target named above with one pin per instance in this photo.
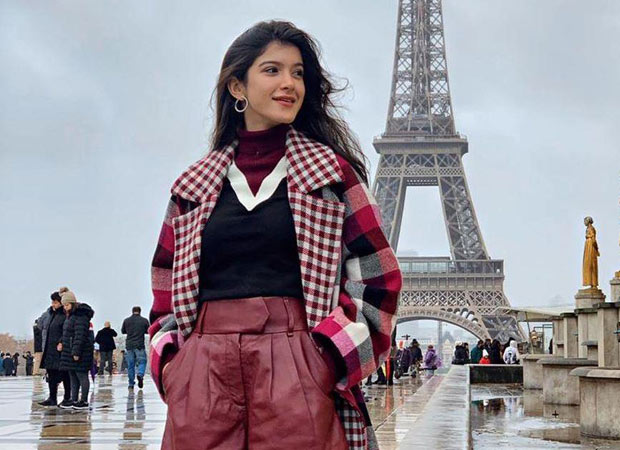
(59, 347)
(163, 371)
(76, 358)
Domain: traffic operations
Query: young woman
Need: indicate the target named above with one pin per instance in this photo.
(77, 348)
(275, 289)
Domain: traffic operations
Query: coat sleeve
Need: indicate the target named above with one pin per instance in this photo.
(41, 320)
(163, 331)
(358, 331)
(80, 336)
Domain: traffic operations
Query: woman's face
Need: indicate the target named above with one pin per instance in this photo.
(68, 306)
(275, 87)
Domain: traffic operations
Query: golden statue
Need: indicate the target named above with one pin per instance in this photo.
(590, 255)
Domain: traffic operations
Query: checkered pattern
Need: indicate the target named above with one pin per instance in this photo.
(350, 276)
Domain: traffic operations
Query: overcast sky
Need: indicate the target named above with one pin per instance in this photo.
(103, 104)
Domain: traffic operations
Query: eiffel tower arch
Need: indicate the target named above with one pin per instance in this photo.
(420, 147)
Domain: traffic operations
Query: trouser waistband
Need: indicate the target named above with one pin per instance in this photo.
(252, 315)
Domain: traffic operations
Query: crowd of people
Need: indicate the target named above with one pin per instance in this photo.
(493, 352)
(9, 363)
(404, 358)
(70, 350)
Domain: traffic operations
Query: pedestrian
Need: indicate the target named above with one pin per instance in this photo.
(96, 357)
(381, 377)
(123, 362)
(2, 364)
(487, 344)
(476, 353)
(77, 348)
(432, 361)
(15, 363)
(29, 362)
(135, 327)
(51, 324)
(511, 354)
(94, 369)
(9, 365)
(105, 339)
(503, 347)
(551, 346)
(495, 354)
(416, 357)
(485, 357)
(38, 347)
(293, 272)
(403, 358)
(460, 354)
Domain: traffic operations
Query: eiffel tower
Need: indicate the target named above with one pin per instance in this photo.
(420, 147)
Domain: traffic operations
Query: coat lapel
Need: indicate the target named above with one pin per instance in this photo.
(201, 183)
(318, 224)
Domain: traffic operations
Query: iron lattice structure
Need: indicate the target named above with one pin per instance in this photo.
(420, 147)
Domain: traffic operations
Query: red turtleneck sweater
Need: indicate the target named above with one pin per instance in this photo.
(259, 152)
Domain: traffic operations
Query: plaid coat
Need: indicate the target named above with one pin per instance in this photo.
(350, 275)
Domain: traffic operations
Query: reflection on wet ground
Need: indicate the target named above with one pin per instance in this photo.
(119, 418)
(126, 420)
(394, 410)
(507, 416)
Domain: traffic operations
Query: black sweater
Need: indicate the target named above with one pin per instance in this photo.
(249, 245)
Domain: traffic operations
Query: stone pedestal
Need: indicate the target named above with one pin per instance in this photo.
(558, 336)
(587, 322)
(600, 405)
(558, 386)
(608, 319)
(533, 372)
(588, 333)
(570, 342)
(615, 288)
(588, 297)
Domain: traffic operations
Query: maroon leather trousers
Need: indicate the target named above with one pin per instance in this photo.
(250, 377)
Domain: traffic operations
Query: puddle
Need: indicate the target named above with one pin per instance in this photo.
(506, 416)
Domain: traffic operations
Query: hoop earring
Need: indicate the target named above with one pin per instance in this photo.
(245, 105)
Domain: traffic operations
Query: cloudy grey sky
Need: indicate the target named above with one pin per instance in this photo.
(103, 104)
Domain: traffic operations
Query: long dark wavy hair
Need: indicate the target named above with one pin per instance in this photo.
(318, 117)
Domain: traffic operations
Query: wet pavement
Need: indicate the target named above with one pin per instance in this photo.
(120, 419)
(436, 416)
(432, 413)
(507, 416)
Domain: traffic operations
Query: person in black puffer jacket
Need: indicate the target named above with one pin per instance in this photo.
(77, 347)
(461, 356)
(51, 324)
(495, 353)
